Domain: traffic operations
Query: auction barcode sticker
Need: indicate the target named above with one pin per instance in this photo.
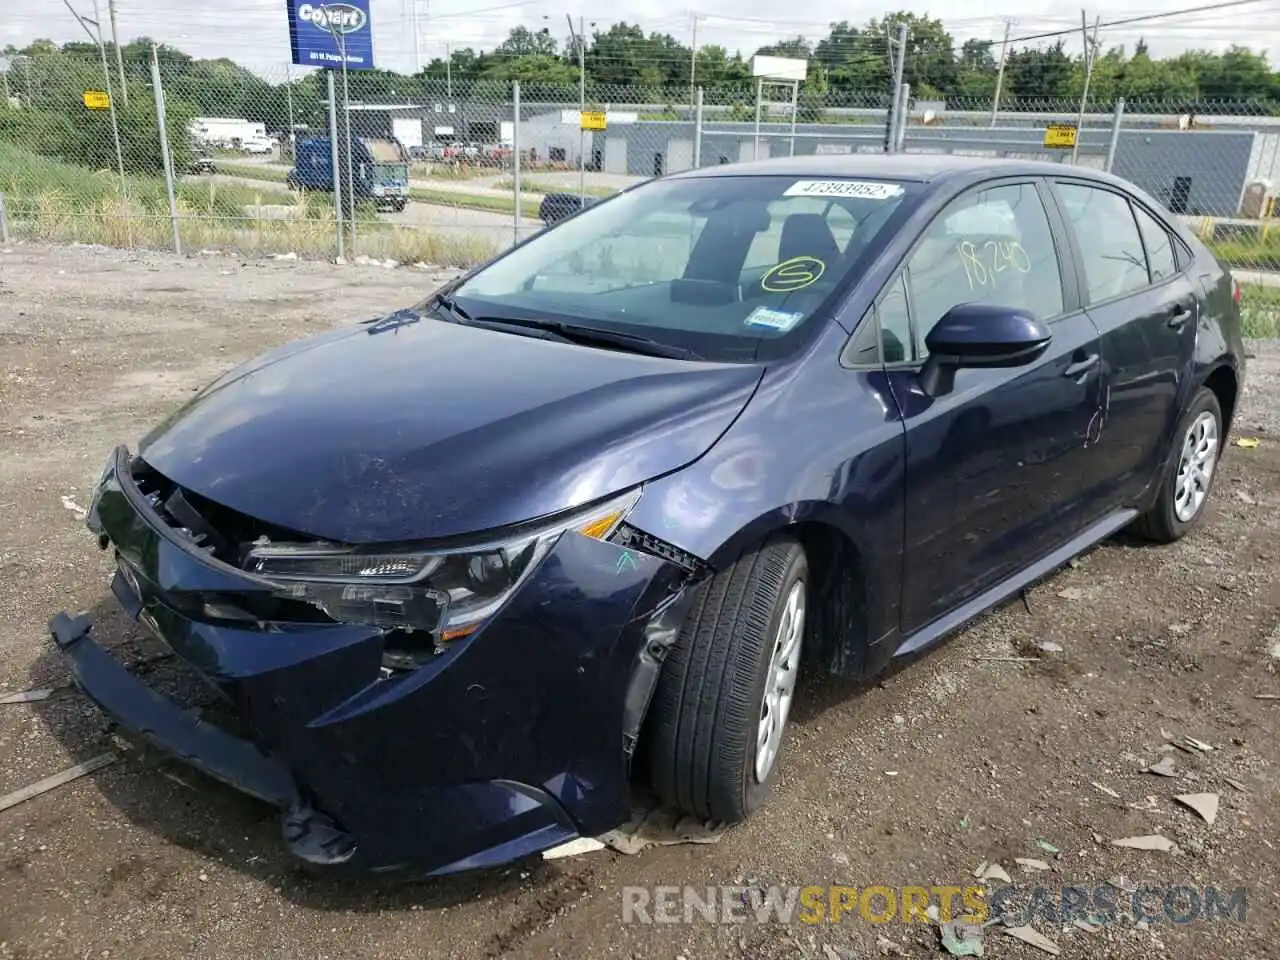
(864, 189)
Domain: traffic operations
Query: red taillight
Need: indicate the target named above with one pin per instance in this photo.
(1236, 292)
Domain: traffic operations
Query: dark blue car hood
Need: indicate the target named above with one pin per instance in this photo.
(435, 430)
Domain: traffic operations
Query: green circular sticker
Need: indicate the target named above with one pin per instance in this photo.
(794, 274)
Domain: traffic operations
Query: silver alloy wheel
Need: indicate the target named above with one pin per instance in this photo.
(1195, 466)
(780, 681)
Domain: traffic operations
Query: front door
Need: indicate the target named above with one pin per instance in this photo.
(1146, 310)
(992, 466)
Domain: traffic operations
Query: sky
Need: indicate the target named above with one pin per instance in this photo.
(255, 32)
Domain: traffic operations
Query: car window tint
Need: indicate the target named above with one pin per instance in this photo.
(1114, 263)
(1160, 256)
(989, 246)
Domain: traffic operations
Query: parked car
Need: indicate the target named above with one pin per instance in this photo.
(202, 165)
(557, 206)
(465, 573)
(258, 145)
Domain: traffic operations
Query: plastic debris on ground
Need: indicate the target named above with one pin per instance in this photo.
(992, 871)
(1205, 804)
(1029, 864)
(1162, 767)
(661, 827)
(57, 780)
(1150, 842)
(962, 939)
(27, 696)
(1249, 443)
(573, 848)
(1045, 845)
(1034, 938)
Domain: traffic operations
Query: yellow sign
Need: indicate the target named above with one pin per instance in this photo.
(592, 120)
(1060, 135)
(97, 100)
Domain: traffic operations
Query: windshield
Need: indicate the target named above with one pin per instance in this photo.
(724, 266)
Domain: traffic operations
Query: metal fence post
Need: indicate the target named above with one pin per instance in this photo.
(4, 222)
(334, 160)
(165, 157)
(1117, 120)
(697, 129)
(515, 157)
(904, 112)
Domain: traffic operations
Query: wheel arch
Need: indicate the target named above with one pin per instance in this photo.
(1224, 382)
(838, 638)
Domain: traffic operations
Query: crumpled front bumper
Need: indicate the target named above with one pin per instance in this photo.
(514, 740)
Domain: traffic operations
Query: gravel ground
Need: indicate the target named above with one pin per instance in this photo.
(950, 760)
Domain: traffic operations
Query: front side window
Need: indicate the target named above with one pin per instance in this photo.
(1114, 262)
(724, 266)
(989, 246)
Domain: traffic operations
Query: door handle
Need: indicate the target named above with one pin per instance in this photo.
(1179, 315)
(1081, 367)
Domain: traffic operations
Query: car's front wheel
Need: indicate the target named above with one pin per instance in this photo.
(720, 711)
(1185, 487)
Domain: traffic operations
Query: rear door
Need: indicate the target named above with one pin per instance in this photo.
(1137, 290)
(993, 467)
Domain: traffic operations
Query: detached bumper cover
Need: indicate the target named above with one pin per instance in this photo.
(514, 740)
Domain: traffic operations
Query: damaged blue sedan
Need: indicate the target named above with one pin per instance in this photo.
(465, 575)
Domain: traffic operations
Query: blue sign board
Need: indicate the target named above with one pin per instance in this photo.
(325, 34)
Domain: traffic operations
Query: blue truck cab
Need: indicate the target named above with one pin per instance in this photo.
(378, 170)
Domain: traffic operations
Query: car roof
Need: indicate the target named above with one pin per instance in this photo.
(918, 167)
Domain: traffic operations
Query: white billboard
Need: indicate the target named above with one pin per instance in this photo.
(779, 68)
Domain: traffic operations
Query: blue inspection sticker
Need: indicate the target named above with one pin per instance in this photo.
(780, 320)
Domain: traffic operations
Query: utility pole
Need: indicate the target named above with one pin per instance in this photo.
(448, 70)
(115, 42)
(417, 37)
(693, 62)
(1090, 54)
(1004, 56)
(579, 38)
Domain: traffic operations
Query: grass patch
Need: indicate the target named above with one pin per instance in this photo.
(254, 171)
(1260, 311)
(536, 186)
(444, 198)
(51, 201)
(468, 201)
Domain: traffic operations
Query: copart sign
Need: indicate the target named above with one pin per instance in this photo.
(328, 34)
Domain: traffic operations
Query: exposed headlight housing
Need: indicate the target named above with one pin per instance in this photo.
(448, 593)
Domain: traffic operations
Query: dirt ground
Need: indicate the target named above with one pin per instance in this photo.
(962, 756)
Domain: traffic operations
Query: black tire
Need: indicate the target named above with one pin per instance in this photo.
(1161, 523)
(702, 724)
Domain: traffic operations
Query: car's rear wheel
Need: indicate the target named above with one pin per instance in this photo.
(719, 714)
(1188, 478)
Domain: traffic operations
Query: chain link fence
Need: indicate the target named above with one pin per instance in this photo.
(410, 169)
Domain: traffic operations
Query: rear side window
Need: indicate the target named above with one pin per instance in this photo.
(1160, 255)
(1114, 262)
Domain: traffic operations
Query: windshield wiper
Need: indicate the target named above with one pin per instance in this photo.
(593, 336)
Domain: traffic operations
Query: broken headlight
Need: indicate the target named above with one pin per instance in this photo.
(449, 593)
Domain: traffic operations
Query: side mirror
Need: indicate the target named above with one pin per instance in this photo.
(980, 335)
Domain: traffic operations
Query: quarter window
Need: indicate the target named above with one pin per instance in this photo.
(989, 246)
(1160, 256)
(1114, 263)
